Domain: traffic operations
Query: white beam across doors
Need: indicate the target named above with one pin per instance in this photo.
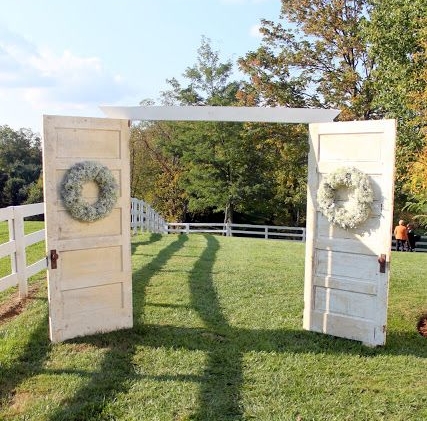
(207, 113)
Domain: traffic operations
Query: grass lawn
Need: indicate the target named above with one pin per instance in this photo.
(218, 336)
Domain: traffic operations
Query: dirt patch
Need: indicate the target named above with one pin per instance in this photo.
(422, 325)
(15, 305)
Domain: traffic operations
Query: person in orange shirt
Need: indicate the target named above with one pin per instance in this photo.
(401, 235)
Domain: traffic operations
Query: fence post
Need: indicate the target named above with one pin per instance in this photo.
(187, 228)
(303, 235)
(20, 257)
(266, 233)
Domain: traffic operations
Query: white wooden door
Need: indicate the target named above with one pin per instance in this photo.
(345, 293)
(90, 290)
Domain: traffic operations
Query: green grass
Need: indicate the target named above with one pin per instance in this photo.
(218, 336)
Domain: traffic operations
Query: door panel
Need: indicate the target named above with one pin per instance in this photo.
(90, 291)
(345, 293)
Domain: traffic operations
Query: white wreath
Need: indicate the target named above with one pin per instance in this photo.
(358, 207)
(72, 186)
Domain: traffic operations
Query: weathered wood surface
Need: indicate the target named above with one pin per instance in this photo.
(345, 294)
(91, 289)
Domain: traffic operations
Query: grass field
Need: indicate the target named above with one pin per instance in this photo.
(218, 336)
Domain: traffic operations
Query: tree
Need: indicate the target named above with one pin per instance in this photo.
(318, 59)
(156, 169)
(398, 40)
(219, 165)
(20, 164)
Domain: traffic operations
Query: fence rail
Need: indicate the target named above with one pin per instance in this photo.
(265, 231)
(15, 247)
(143, 217)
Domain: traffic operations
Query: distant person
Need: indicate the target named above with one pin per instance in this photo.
(412, 237)
(401, 236)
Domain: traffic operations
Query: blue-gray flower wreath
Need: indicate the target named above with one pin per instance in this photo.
(72, 186)
(357, 209)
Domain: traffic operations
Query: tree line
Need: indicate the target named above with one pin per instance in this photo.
(364, 57)
(20, 167)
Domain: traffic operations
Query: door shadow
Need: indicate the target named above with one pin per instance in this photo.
(220, 384)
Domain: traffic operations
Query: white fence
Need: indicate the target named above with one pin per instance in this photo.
(242, 230)
(145, 218)
(15, 247)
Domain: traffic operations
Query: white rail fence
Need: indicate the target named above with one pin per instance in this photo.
(143, 218)
(242, 230)
(16, 246)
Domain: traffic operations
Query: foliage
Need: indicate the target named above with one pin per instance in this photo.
(156, 169)
(20, 164)
(218, 336)
(315, 57)
(204, 167)
(419, 208)
(398, 40)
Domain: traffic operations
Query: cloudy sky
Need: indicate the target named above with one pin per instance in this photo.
(68, 57)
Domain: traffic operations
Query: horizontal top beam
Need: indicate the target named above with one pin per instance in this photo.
(205, 113)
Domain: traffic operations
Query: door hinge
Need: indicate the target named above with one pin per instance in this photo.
(53, 259)
(382, 262)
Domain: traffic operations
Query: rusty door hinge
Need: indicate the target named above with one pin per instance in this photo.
(382, 262)
(53, 259)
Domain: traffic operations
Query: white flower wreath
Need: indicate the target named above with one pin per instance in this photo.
(72, 186)
(358, 207)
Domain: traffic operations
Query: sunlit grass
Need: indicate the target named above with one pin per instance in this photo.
(218, 336)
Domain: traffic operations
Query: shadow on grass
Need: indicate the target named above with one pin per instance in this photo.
(28, 363)
(220, 384)
(154, 237)
(219, 393)
(116, 371)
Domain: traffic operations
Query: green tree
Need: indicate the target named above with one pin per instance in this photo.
(219, 164)
(398, 41)
(20, 164)
(156, 170)
(316, 58)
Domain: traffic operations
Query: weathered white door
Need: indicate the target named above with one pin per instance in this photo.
(90, 290)
(345, 292)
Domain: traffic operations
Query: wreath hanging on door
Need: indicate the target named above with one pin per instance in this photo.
(72, 187)
(358, 207)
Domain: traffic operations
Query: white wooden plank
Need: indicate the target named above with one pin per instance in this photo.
(30, 210)
(6, 213)
(34, 237)
(346, 327)
(8, 281)
(7, 248)
(37, 267)
(207, 113)
(346, 283)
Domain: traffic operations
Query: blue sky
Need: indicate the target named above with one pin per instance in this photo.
(68, 57)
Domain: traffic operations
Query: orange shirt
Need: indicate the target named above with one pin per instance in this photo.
(401, 233)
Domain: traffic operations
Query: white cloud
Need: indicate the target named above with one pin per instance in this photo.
(46, 79)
